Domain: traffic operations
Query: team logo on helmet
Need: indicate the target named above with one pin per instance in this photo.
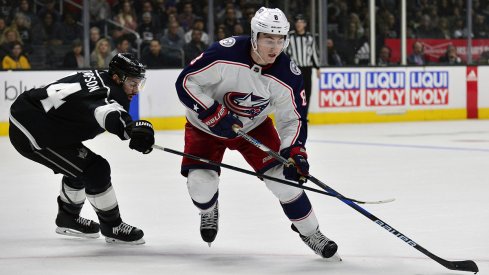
(245, 104)
(294, 69)
(227, 42)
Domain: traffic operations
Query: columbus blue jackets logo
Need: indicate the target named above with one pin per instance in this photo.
(227, 42)
(245, 104)
(294, 69)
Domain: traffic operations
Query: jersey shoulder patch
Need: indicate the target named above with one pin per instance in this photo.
(228, 42)
(294, 69)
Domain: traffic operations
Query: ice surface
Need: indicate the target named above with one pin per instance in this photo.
(437, 171)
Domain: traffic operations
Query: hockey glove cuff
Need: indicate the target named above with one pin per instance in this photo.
(298, 167)
(220, 121)
(142, 136)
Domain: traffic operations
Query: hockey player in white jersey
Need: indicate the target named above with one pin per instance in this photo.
(240, 81)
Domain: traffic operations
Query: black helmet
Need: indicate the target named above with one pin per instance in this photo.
(126, 64)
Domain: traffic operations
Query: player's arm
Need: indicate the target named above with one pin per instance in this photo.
(114, 118)
(292, 127)
(202, 72)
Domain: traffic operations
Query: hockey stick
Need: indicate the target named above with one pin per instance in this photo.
(290, 183)
(467, 265)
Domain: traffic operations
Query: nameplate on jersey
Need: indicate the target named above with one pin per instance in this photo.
(256, 69)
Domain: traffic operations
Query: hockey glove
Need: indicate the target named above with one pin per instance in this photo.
(298, 167)
(220, 121)
(142, 136)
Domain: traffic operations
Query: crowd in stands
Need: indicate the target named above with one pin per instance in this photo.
(170, 33)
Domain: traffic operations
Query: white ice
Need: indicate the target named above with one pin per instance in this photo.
(438, 172)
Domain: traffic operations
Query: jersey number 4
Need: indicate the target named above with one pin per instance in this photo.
(57, 92)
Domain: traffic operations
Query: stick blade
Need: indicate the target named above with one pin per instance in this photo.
(462, 266)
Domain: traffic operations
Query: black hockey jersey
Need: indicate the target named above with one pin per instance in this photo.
(73, 109)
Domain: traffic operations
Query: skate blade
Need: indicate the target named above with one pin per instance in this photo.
(73, 233)
(209, 244)
(335, 258)
(116, 241)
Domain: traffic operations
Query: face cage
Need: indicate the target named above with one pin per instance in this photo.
(131, 84)
(254, 41)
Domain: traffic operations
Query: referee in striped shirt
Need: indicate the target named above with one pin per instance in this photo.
(302, 49)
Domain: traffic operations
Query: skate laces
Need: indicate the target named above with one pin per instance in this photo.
(316, 241)
(124, 228)
(83, 221)
(209, 220)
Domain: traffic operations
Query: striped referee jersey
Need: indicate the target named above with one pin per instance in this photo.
(302, 49)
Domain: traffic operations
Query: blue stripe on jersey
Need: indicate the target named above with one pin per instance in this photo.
(134, 107)
(297, 209)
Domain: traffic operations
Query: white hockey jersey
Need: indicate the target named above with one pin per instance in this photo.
(227, 74)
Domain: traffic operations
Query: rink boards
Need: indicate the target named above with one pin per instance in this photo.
(339, 95)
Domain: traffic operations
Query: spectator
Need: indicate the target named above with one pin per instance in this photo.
(100, 57)
(70, 30)
(187, 17)
(334, 58)
(229, 21)
(384, 56)
(74, 58)
(147, 30)
(459, 29)
(425, 29)
(127, 17)
(122, 46)
(48, 32)
(172, 44)
(450, 57)
(484, 58)
(417, 57)
(153, 56)
(238, 29)
(9, 36)
(99, 11)
(198, 25)
(15, 59)
(172, 18)
(162, 16)
(481, 30)
(444, 29)
(25, 8)
(195, 47)
(3, 25)
(94, 37)
(147, 6)
(49, 7)
(220, 33)
(6, 8)
(22, 24)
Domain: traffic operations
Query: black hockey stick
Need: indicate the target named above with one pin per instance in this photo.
(467, 265)
(264, 176)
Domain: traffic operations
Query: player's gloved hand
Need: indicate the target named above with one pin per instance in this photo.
(142, 136)
(298, 169)
(220, 121)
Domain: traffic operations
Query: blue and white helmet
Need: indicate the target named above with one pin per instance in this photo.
(271, 21)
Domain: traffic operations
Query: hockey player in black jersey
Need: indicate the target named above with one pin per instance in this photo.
(49, 124)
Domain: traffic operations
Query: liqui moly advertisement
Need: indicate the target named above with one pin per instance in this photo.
(371, 89)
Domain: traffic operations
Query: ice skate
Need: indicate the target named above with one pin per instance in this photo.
(209, 224)
(71, 225)
(122, 234)
(320, 244)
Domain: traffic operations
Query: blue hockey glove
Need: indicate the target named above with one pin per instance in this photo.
(142, 136)
(220, 121)
(298, 167)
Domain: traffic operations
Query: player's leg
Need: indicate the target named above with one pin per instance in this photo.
(101, 195)
(294, 201)
(84, 173)
(203, 179)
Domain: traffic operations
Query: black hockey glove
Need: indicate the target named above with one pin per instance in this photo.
(298, 169)
(142, 136)
(220, 121)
